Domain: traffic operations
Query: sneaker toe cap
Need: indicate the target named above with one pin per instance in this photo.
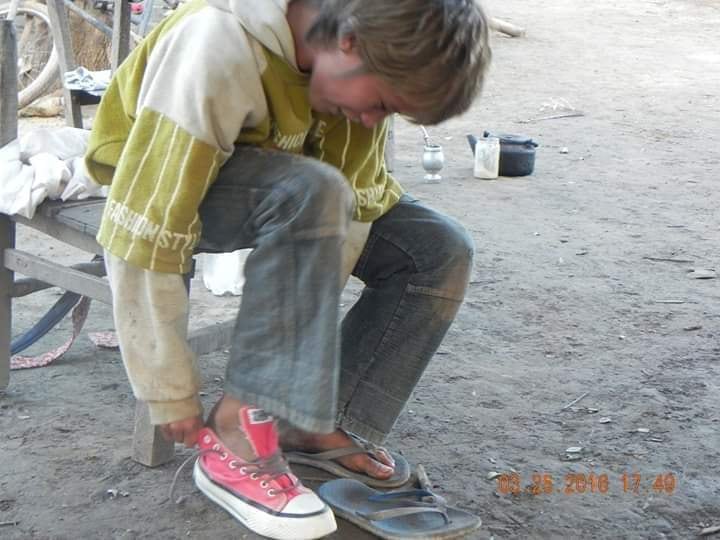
(305, 503)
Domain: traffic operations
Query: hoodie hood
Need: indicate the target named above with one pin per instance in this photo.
(266, 21)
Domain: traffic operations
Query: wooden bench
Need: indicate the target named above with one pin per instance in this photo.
(73, 223)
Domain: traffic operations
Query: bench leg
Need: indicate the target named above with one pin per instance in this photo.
(149, 446)
(7, 240)
(8, 133)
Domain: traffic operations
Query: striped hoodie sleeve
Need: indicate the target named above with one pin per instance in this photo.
(200, 87)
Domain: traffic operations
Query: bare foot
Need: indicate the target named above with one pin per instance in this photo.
(378, 465)
(224, 420)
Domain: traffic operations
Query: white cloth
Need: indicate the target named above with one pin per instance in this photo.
(92, 82)
(44, 163)
(224, 273)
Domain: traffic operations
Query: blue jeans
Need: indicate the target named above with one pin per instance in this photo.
(289, 356)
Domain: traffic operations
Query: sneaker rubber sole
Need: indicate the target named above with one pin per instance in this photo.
(264, 523)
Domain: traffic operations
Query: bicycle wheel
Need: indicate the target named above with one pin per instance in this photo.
(38, 65)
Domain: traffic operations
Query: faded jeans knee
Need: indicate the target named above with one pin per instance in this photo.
(448, 261)
(322, 200)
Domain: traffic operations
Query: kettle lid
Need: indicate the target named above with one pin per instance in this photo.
(509, 138)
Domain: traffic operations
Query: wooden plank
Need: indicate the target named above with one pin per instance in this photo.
(61, 276)
(8, 83)
(73, 222)
(62, 232)
(23, 287)
(61, 35)
(149, 446)
(7, 241)
(121, 33)
(211, 338)
(8, 132)
(84, 216)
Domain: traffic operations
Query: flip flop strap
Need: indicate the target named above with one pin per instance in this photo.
(391, 513)
(424, 501)
(364, 444)
(361, 447)
(422, 495)
(331, 455)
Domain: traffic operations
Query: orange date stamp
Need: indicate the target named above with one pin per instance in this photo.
(575, 483)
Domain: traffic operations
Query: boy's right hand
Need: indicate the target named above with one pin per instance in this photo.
(183, 431)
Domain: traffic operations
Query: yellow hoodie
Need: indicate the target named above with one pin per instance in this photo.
(214, 74)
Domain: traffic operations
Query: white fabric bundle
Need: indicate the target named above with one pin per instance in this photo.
(44, 163)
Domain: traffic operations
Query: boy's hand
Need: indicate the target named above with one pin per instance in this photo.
(183, 431)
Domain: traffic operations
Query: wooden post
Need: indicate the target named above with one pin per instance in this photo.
(7, 241)
(8, 82)
(8, 133)
(149, 446)
(61, 35)
(121, 33)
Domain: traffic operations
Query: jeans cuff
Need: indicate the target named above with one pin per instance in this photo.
(300, 420)
(361, 429)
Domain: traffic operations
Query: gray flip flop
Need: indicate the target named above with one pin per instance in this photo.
(416, 514)
(327, 461)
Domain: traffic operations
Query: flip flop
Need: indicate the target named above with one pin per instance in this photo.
(327, 462)
(416, 514)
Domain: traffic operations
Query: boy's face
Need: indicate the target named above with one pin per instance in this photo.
(338, 85)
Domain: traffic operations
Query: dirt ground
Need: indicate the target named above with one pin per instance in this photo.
(584, 285)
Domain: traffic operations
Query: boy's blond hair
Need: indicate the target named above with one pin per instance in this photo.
(434, 53)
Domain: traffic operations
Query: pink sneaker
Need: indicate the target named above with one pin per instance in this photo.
(262, 494)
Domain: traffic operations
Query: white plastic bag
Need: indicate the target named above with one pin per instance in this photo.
(223, 273)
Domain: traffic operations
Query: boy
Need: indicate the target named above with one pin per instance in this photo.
(261, 124)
